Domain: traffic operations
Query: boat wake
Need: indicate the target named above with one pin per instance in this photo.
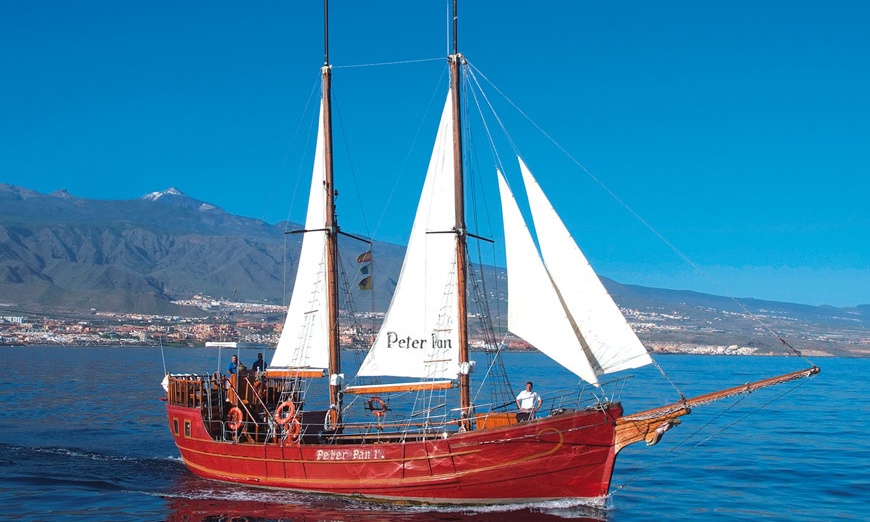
(76, 468)
(194, 509)
(78, 484)
(199, 499)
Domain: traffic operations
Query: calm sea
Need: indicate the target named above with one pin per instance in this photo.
(83, 436)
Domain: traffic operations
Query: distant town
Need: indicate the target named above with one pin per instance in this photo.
(260, 325)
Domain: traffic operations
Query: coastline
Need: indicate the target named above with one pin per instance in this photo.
(661, 333)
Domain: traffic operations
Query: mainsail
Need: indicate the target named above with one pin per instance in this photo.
(559, 305)
(304, 341)
(419, 336)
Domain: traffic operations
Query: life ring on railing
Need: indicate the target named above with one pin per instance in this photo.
(378, 407)
(234, 418)
(291, 413)
(293, 431)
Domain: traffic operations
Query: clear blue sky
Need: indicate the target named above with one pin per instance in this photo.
(740, 131)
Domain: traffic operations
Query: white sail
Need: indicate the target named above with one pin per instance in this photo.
(535, 312)
(419, 336)
(304, 341)
(607, 337)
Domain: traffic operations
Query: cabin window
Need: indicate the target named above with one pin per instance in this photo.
(187, 428)
(175, 426)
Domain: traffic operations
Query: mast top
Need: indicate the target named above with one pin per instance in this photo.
(455, 26)
(325, 33)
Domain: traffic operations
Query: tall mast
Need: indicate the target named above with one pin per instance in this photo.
(459, 205)
(331, 229)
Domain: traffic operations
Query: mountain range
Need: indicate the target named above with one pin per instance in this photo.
(59, 252)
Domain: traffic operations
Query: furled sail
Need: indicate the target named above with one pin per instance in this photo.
(535, 312)
(419, 336)
(304, 341)
(607, 338)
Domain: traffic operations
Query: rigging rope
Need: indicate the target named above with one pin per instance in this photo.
(290, 147)
(381, 64)
(665, 375)
(631, 211)
(785, 392)
(404, 165)
(163, 355)
(352, 167)
(677, 454)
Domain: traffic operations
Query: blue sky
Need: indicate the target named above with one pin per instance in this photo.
(740, 132)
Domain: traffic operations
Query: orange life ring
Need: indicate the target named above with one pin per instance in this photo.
(381, 409)
(286, 405)
(234, 416)
(293, 430)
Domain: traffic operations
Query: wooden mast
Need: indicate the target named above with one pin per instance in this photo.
(461, 232)
(331, 230)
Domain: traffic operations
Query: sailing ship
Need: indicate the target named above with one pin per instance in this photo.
(411, 426)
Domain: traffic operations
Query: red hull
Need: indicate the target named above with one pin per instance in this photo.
(564, 456)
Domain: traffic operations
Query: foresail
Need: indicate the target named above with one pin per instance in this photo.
(535, 312)
(603, 329)
(419, 336)
(304, 340)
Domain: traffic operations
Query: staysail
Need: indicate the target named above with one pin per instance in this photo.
(535, 312)
(419, 336)
(608, 340)
(558, 304)
(304, 341)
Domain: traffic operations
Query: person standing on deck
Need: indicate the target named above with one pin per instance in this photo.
(259, 365)
(528, 402)
(233, 365)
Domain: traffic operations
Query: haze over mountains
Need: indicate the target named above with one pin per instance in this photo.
(60, 252)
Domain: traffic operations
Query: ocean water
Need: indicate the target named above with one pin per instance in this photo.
(83, 436)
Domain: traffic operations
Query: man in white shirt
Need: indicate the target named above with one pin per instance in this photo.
(528, 402)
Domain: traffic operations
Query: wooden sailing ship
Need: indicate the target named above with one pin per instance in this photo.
(410, 426)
